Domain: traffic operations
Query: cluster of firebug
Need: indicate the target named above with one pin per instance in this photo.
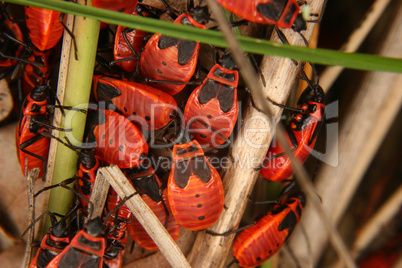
(140, 103)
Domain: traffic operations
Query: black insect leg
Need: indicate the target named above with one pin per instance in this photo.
(283, 39)
(29, 142)
(231, 232)
(285, 106)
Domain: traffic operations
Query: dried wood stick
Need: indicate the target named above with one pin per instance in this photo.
(370, 116)
(32, 176)
(331, 73)
(145, 216)
(99, 195)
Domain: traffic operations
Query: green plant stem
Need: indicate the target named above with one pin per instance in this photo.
(78, 89)
(252, 45)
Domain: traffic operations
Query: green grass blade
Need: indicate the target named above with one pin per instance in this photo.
(252, 45)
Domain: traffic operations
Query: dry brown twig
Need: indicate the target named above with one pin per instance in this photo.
(32, 176)
(331, 73)
(99, 195)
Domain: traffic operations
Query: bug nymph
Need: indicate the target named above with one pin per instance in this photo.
(116, 140)
(149, 185)
(195, 190)
(301, 134)
(171, 59)
(212, 108)
(148, 107)
(259, 242)
(86, 249)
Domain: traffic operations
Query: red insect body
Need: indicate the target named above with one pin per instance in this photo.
(118, 141)
(34, 75)
(281, 13)
(123, 215)
(44, 26)
(172, 59)
(259, 242)
(147, 107)
(214, 103)
(125, 6)
(87, 174)
(9, 47)
(301, 133)
(85, 250)
(153, 198)
(195, 189)
(28, 132)
(122, 50)
(50, 247)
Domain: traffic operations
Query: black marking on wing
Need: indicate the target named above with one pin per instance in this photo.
(227, 76)
(44, 257)
(167, 41)
(272, 10)
(213, 89)
(77, 258)
(107, 92)
(208, 91)
(226, 97)
(290, 13)
(182, 173)
(94, 118)
(186, 50)
(288, 222)
(149, 186)
(201, 168)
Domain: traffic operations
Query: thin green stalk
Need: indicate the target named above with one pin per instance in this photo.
(252, 45)
(78, 89)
